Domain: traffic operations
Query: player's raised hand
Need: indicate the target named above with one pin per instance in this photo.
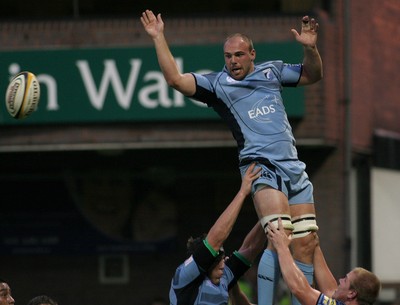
(309, 30)
(152, 24)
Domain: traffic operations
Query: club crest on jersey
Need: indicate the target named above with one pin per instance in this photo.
(268, 74)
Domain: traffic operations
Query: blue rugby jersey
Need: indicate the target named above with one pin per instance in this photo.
(253, 108)
(324, 300)
(191, 286)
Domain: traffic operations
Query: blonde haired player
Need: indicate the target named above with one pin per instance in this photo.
(358, 287)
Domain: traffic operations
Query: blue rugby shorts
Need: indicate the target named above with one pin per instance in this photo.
(287, 176)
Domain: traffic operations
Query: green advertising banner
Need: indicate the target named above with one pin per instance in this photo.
(124, 84)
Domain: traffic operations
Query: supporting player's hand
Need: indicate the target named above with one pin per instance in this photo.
(308, 35)
(277, 235)
(251, 174)
(152, 24)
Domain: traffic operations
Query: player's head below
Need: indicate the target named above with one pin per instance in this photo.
(42, 300)
(194, 243)
(239, 55)
(367, 286)
(5, 293)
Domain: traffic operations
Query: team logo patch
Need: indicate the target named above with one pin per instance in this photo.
(266, 175)
(268, 74)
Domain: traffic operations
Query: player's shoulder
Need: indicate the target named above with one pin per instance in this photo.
(271, 63)
(187, 268)
(276, 66)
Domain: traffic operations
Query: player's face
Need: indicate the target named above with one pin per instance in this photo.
(239, 59)
(217, 272)
(344, 292)
(5, 295)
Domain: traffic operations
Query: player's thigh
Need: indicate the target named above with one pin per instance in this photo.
(297, 210)
(268, 201)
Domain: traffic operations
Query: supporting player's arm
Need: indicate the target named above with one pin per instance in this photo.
(293, 276)
(253, 243)
(326, 282)
(154, 26)
(220, 231)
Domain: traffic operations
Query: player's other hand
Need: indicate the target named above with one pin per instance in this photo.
(152, 24)
(309, 30)
(277, 235)
(251, 174)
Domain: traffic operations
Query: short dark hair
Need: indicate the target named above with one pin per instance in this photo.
(42, 300)
(194, 243)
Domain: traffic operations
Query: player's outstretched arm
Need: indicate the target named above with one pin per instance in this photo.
(312, 62)
(224, 224)
(326, 282)
(293, 276)
(253, 243)
(154, 26)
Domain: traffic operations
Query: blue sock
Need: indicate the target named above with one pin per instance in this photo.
(308, 271)
(268, 277)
